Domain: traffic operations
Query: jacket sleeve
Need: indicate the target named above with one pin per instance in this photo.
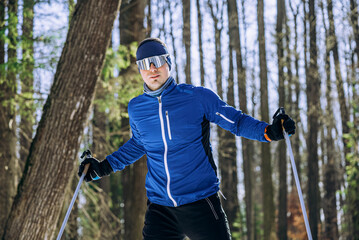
(128, 153)
(229, 118)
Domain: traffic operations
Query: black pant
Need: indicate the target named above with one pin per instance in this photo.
(201, 220)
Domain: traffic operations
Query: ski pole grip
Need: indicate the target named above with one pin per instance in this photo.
(84, 155)
(281, 111)
(86, 169)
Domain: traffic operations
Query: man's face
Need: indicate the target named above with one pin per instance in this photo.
(155, 77)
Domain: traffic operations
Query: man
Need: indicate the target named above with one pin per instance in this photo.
(170, 123)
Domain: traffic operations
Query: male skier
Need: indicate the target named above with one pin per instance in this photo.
(170, 123)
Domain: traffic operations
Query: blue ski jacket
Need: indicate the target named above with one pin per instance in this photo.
(173, 130)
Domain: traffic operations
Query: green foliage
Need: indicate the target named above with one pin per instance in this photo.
(352, 172)
(239, 224)
(119, 83)
(258, 222)
(12, 28)
(96, 218)
(114, 92)
(118, 60)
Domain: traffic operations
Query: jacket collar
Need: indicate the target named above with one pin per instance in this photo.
(167, 89)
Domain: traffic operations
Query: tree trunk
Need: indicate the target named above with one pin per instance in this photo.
(51, 160)
(247, 146)
(100, 143)
(228, 160)
(330, 178)
(71, 230)
(282, 163)
(173, 40)
(266, 167)
(200, 42)
(353, 190)
(257, 184)
(99, 146)
(162, 30)
(313, 104)
(9, 169)
(2, 41)
(27, 108)
(133, 176)
(226, 141)
(134, 195)
(339, 80)
(354, 22)
(116, 184)
(217, 21)
(117, 207)
(100, 151)
(186, 14)
(134, 198)
(297, 91)
(355, 98)
(149, 19)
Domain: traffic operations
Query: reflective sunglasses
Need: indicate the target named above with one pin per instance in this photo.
(158, 61)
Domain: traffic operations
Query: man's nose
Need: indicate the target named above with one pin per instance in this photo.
(153, 67)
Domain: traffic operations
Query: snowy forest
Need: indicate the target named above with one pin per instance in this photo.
(67, 73)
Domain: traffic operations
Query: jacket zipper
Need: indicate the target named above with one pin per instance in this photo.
(212, 208)
(165, 153)
(168, 126)
(224, 117)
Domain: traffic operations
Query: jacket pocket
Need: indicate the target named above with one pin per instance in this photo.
(212, 208)
(168, 126)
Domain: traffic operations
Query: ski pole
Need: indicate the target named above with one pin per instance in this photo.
(87, 154)
(297, 183)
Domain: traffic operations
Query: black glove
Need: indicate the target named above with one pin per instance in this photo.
(96, 170)
(275, 130)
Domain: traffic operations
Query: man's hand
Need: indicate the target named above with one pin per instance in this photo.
(96, 170)
(280, 121)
